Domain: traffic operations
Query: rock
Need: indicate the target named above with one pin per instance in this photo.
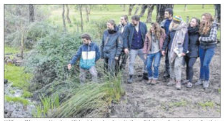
(5, 81)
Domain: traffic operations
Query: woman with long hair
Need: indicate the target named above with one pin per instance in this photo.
(152, 47)
(208, 41)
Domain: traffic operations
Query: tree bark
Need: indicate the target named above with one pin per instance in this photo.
(63, 17)
(87, 13)
(31, 13)
(149, 15)
(185, 7)
(160, 11)
(67, 15)
(124, 7)
(80, 10)
(143, 8)
(217, 12)
(131, 6)
(136, 10)
(203, 6)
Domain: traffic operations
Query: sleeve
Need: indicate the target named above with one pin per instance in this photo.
(212, 36)
(145, 47)
(97, 53)
(119, 46)
(125, 41)
(185, 45)
(101, 47)
(76, 56)
(166, 41)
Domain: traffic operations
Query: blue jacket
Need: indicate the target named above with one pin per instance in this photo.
(88, 55)
(122, 33)
(129, 33)
(112, 44)
(193, 43)
(169, 40)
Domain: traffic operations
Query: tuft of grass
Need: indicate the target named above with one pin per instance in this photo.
(27, 94)
(91, 99)
(12, 50)
(178, 104)
(206, 104)
(17, 99)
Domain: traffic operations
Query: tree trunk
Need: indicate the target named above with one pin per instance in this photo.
(63, 17)
(31, 13)
(87, 13)
(160, 11)
(144, 7)
(203, 6)
(149, 15)
(67, 15)
(80, 9)
(22, 44)
(217, 13)
(136, 10)
(131, 6)
(124, 7)
(185, 7)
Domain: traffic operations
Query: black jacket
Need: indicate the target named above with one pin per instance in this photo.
(193, 43)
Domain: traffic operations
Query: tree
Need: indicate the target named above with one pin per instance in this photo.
(203, 6)
(124, 7)
(136, 10)
(217, 12)
(185, 7)
(67, 15)
(143, 8)
(80, 10)
(131, 6)
(31, 13)
(87, 13)
(160, 11)
(149, 13)
(63, 17)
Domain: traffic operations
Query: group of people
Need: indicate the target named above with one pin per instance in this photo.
(172, 38)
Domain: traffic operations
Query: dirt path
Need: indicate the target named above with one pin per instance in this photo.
(143, 100)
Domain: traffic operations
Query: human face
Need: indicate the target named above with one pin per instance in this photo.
(85, 41)
(193, 23)
(122, 20)
(152, 30)
(110, 26)
(134, 22)
(203, 19)
(167, 15)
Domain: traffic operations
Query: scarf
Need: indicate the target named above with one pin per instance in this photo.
(178, 39)
(193, 30)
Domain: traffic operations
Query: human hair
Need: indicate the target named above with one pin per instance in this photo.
(86, 36)
(170, 10)
(205, 26)
(112, 22)
(157, 29)
(135, 17)
(197, 21)
(125, 17)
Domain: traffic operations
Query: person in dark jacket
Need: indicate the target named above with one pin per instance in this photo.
(168, 15)
(111, 47)
(177, 43)
(208, 41)
(134, 41)
(88, 54)
(121, 63)
(193, 44)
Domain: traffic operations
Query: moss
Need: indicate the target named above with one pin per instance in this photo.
(17, 99)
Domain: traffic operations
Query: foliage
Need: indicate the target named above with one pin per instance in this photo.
(17, 99)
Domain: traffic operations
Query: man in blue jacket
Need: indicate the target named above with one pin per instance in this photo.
(88, 53)
(134, 42)
(168, 15)
(111, 47)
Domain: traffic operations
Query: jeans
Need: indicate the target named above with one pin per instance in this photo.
(205, 55)
(189, 69)
(92, 71)
(156, 58)
(132, 55)
(167, 64)
(109, 66)
(121, 62)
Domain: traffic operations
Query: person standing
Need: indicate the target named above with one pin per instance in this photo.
(88, 53)
(193, 44)
(177, 44)
(152, 47)
(134, 41)
(168, 15)
(111, 47)
(208, 41)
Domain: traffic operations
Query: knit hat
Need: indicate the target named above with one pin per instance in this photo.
(177, 19)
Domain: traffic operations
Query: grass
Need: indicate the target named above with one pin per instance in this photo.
(206, 104)
(27, 94)
(17, 99)
(178, 104)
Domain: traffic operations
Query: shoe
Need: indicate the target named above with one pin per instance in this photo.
(189, 85)
(178, 84)
(149, 81)
(145, 76)
(184, 82)
(199, 82)
(205, 84)
(130, 80)
(153, 82)
(171, 82)
(166, 75)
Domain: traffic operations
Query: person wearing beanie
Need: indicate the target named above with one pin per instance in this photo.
(177, 44)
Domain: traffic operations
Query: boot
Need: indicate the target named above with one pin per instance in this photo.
(130, 80)
(171, 82)
(178, 84)
(145, 76)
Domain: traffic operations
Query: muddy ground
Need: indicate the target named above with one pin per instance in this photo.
(142, 100)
